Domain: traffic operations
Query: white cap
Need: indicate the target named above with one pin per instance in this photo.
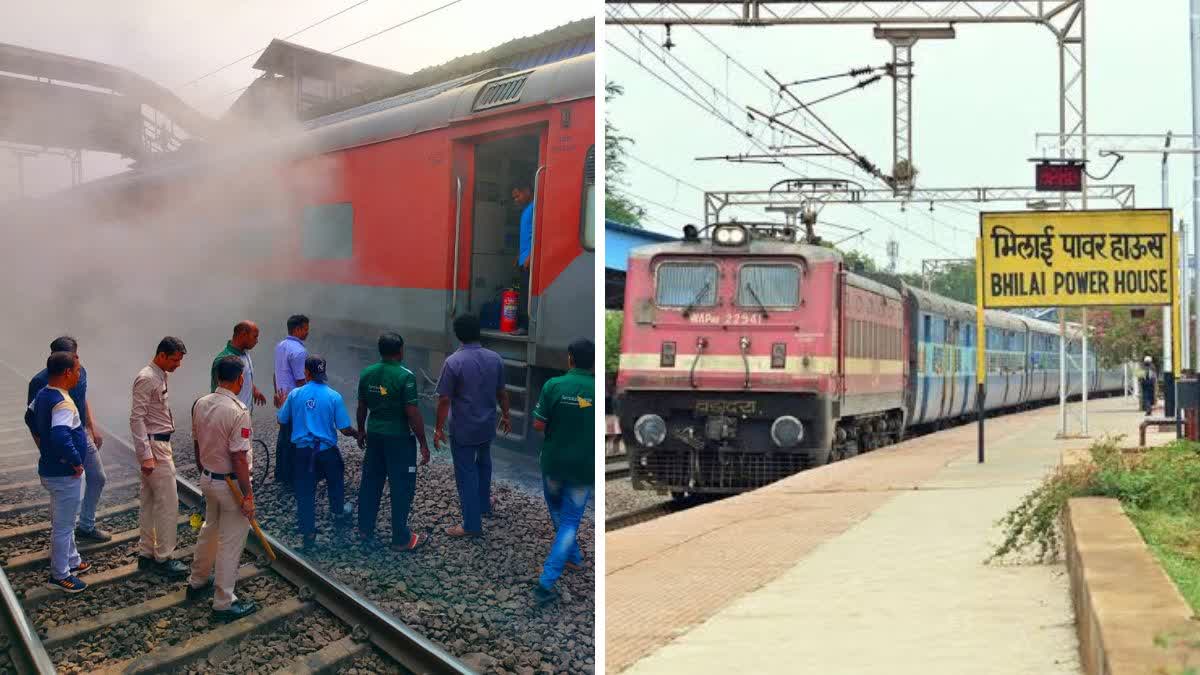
(1147, 360)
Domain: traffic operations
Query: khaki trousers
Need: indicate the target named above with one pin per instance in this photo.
(222, 539)
(159, 508)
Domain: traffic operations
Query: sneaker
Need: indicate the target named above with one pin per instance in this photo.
(82, 568)
(415, 542)
(94, 534)
(194, 593)
(238, 610)
(543, 595)
(146, 564)
(71, 584)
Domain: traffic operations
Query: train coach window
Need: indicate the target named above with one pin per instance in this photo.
(328, 231)
(680, 284)
(769, 286)
(587, 219)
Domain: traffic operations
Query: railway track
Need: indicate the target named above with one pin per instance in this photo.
(616, 467)
(133, 621)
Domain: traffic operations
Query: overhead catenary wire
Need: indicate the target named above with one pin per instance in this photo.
(286, 37)
(368, 37)
(751, 138)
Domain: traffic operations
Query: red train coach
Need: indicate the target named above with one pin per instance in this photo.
(747, 357)
(397, 215)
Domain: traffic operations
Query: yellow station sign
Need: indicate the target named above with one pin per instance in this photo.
(1077, 258)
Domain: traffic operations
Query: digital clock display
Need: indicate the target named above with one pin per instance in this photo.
(1059, 177)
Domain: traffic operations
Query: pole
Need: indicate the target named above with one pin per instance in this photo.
(980, 344)
(1168, 319)
(1084, 381)
(1195, 40)
(1185, 320)
(1175, 250)
(1062, 372)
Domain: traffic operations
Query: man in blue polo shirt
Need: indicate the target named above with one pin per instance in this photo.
(289, 374)
(93, 468)
(316, 413)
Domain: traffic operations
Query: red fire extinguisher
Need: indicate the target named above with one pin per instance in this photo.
(508, 310)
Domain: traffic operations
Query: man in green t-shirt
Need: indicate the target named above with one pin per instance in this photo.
(566, 412)
(245, 338)
(388, 391)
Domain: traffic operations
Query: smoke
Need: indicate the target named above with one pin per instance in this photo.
(186, 248)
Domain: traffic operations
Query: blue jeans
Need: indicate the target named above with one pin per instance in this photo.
(566, 502)
(94, 479)
(65, 495)
(473, 476)
(308, 469)
(284, 450)
(392, 459)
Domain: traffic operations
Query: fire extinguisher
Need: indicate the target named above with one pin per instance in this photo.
(508, 310)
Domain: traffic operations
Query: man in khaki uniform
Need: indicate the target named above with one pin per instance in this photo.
(152, 424)
(221, 433)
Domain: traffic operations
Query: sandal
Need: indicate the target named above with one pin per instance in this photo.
(415, 542)
(458, 532)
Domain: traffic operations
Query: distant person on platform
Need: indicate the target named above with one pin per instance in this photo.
(1147, 382)
(289, 374)
(316, 413)
(245, 338)
(221, 439)
(522, 195)
(566, 412)
(390, 428)
(469, 389)
(93, 469)
(151, 424)
(57, 427)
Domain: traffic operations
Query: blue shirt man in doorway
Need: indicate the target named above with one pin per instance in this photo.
(522, 194)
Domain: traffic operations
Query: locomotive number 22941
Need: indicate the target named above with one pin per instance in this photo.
(727, 318)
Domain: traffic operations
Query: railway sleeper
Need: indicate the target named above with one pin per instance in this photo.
(13, 509)
(66, 634)
(176, 656)
(25, 561)
(41, 528)
(327, 658)
(37, 595)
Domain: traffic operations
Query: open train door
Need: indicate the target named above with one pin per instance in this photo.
(488, 261)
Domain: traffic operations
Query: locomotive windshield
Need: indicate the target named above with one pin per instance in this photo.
(686, 284)
(775, 285)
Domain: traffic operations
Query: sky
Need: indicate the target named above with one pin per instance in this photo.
(173, 43)
(978, 99)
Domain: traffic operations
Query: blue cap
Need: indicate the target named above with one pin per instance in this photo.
(315, 365)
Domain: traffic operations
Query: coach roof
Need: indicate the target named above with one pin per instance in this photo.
(756, 247)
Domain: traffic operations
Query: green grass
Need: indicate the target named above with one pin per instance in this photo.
(1164, 481)
(1175, 540)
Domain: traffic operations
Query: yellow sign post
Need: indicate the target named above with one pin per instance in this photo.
(1077, 258)
(980, 352)
(1072, 259)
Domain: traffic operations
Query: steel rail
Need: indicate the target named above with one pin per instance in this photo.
(408, 647)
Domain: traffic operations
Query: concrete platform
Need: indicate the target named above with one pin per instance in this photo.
(870, 564)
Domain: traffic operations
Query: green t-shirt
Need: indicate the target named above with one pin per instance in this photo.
(568, 407)
(229, 350)
(388, 388)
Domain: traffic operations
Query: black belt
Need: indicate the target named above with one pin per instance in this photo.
(160, 437)
(215, 476)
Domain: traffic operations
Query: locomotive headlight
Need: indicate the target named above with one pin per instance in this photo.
(730, 235)
(778, 354)
(650, 430)
(667, 357)
(787, 431)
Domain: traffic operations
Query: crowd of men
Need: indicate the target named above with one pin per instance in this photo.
(473, 405)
